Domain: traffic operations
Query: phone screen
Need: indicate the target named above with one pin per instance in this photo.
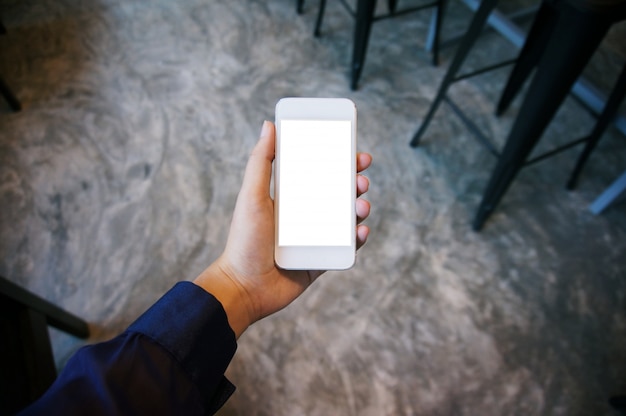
(315, 183)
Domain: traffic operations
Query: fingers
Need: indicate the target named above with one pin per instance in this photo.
(362, 232)
(362, 185)
(362, 210)
(363, 161)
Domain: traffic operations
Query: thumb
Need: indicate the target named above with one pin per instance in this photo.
(258, 173)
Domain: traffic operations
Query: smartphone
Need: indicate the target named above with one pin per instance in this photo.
(315, 184)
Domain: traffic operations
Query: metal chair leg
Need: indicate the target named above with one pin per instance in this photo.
(438, 21)
(609, 195)
(468, 40)
(320, 18)
(6, 92)
(605, 118)
(362, 29)
(576, 36)
(529, 56)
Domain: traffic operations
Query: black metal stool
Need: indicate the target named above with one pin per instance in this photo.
(299, 6)
(364, 18)
(9, 96)
(26, 362)
(607, 115)
(559, 45)
(618, 403)
(5, 91)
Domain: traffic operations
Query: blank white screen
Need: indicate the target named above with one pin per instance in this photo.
(315, 183)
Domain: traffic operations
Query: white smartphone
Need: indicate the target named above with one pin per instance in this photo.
(315, 184)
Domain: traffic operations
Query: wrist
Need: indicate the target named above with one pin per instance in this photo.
(230, 294)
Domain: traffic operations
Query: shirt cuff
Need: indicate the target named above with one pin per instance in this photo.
(192, 325)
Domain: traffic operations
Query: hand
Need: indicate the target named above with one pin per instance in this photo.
(245, 278)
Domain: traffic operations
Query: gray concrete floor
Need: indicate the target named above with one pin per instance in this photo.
(119, 176)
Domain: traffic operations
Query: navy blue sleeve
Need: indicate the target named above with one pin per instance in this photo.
(170, 361)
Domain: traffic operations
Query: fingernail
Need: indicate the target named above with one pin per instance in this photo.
(265, 130)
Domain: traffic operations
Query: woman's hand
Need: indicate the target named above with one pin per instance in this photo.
(245, 278)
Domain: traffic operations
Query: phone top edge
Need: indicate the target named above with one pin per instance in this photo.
(315, 109)
(304, 101)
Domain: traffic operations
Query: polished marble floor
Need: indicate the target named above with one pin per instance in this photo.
(119, 176)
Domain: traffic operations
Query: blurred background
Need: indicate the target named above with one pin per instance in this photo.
(119, 175)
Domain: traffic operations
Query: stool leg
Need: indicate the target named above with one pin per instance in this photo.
(6, 92)
(320, 17)
(299, 6)
(392, 5)
(607, 115)
(439, 11)
(364, 18)
(575, 37)
(55, 316)
(26, 357)
(609, 195)
(529, 56)
(474, 30)
(618, 403)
